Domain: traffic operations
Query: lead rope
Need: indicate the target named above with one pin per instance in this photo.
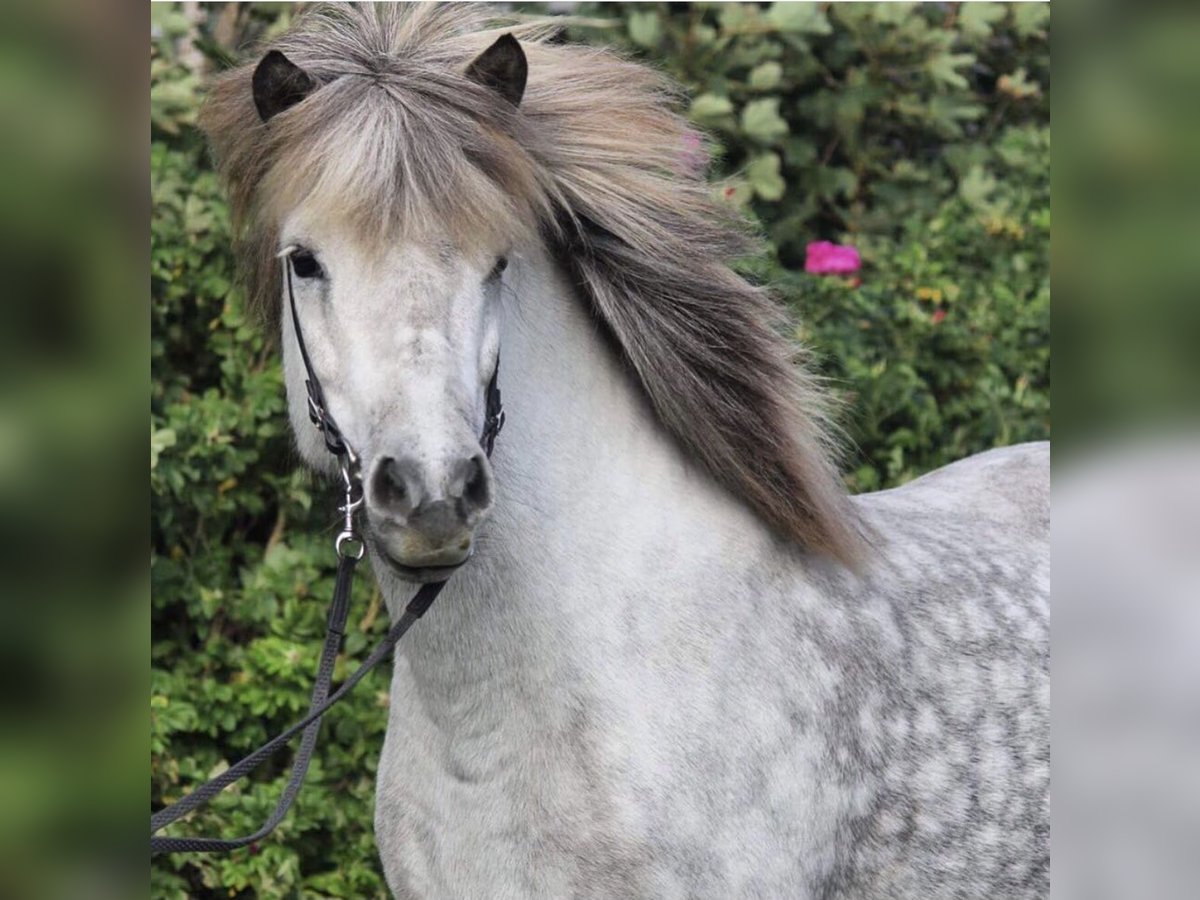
(349, 548)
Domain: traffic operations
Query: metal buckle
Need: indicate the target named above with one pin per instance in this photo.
(316, 414)
(349, 544)
(491, 429)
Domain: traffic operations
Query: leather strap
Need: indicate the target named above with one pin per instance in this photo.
(321, 699)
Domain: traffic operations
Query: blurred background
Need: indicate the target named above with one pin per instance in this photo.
(915, 133)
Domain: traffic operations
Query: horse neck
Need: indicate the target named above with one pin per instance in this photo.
(596, 507)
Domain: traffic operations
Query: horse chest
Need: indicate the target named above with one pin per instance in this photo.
(505, 804)
(635, 792)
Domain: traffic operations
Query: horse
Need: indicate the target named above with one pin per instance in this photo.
(673, 658)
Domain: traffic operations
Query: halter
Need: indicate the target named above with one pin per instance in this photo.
(335, 440)
(349, 547)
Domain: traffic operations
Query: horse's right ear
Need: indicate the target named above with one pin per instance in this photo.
(279, 84)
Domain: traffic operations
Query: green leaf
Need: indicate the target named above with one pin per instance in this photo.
(799, 18)
(945, 111)
(733, 15)
(834, 181)
(710, 106)
(734, 191)
(168, 21)
(703, 34)
(644, 28)
(977, 19)
(160, 440)
(761, 120)
(765, 76)
(944, 68)
(976, 187)
(1030, 19)
(890, 14)
(763, 175)
(799, 152)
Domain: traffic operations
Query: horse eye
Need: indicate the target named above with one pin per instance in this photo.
(498, 268)
(305, 265)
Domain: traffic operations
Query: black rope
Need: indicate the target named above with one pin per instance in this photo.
(322, 700)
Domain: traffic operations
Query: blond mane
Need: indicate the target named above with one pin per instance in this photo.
(598, 163)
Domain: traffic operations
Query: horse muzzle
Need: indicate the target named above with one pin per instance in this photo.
(422, 523)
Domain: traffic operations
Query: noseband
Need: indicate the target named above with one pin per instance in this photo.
(349, 547)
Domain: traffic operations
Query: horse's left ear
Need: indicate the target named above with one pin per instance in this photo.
(279, 84)
(502, 67)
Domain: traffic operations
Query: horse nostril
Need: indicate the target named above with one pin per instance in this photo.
(394, 486)
(399, 489)
(471, 485)
(477, 493)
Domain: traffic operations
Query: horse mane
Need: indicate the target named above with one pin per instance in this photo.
(597, 163)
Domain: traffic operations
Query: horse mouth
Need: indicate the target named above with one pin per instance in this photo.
(421, 574)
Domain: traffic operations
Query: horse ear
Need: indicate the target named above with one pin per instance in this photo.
(279, 84)
(502, 67)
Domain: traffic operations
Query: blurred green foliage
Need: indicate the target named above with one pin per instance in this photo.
(917, 133)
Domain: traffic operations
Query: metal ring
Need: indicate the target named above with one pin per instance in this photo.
(349, 537)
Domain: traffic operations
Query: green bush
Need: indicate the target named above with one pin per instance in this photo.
(918, 134)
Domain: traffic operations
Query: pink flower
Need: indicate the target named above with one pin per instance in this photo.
(824, 258)
(938, 315)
